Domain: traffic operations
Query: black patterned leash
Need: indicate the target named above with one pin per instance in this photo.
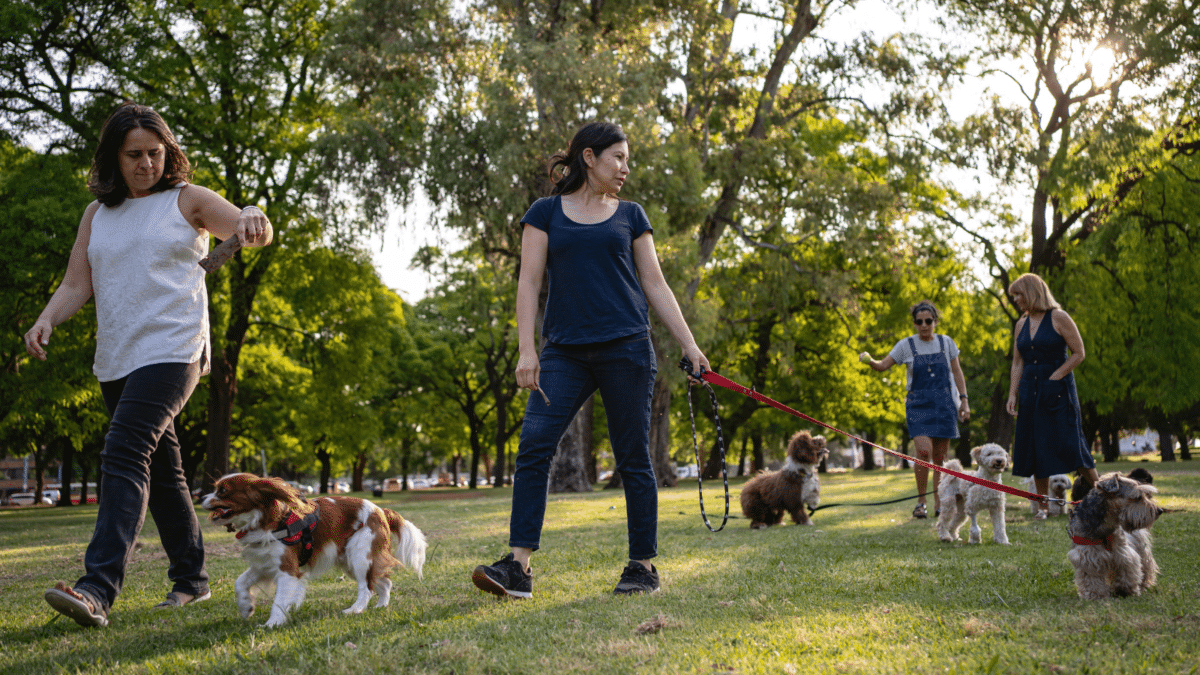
(686, 365)
(890, 501)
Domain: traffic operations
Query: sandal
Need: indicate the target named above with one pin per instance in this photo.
(174, 600)
(79, 606)
(920, 512)
(1040, 515)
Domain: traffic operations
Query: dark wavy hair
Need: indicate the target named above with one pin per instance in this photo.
(924, 306)
(105, 179)
(595, 135)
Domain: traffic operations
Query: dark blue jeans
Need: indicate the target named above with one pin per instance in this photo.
(623, 371)
(142, 468)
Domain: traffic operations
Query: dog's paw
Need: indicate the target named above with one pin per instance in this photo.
(275, 622)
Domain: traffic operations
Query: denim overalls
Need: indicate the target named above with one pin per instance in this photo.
(930, 408)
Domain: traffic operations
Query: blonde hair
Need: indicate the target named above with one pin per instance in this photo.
(1038, 297)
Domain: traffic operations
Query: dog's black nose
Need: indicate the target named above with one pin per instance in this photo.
(1160, 512)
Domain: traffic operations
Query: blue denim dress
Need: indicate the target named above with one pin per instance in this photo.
(930, 407)
(1049, 436)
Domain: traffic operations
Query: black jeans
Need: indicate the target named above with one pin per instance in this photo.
(142, 468)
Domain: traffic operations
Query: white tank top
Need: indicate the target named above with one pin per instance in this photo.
(151, 302)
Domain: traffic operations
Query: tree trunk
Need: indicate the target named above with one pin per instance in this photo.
(868, 452)
(660, 430)
(221, 390)
(741, 471)
(760, 453)
(326, 468)
(1166, 444)
(1185, 449)
(1113, 452)
(39, 462)
(356, 474)
(568, 471)
(68, 474)
(83, 481)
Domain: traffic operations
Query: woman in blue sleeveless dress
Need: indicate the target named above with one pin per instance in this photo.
(937, 394)
(1049, 437)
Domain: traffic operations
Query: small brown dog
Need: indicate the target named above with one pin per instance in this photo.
(767, 496)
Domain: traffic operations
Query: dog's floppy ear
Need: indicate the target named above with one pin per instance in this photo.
(1110, 483)
(277, 489)
(975, 452)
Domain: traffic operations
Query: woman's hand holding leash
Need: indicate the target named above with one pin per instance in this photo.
(694, 356)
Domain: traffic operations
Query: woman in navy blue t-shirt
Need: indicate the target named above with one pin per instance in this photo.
(598, 254)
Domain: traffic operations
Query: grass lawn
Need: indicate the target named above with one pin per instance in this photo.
(865, 590)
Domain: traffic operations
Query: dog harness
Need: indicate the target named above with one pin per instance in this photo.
(296, 531)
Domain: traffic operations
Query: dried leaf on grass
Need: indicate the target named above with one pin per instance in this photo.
(653, 625)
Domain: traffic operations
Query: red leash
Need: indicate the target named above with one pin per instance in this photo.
(721, 381)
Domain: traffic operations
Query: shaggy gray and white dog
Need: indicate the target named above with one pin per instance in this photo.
(962, 499)
(767, 496)
(1060, 484)
(1110, 539)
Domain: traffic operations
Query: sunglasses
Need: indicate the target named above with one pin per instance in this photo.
(927, 322)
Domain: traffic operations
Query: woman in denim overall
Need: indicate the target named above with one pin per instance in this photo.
(937, 396)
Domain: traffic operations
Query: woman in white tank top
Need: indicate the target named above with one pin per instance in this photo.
(137, 252)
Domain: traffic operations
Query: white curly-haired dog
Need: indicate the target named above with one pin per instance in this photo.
(1110, 539)
(1060, 484)
(962, 499)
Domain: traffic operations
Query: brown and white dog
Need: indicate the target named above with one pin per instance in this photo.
(288, 540)
(767, 496)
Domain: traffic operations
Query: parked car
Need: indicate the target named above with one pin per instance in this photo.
(688, 471)
(304, 489)
(27, 499)
(420, 483)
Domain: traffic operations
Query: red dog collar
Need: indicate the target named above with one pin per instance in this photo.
(1105, 542)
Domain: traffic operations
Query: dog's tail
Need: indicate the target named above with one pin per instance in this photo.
(953, 465)
(409, 543)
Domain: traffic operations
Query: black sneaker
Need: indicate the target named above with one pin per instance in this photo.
(504, 577)
(635, 578)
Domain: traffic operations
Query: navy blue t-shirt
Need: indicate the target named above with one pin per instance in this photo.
(594, 294)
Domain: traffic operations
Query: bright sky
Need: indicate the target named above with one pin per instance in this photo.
(407, 231)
